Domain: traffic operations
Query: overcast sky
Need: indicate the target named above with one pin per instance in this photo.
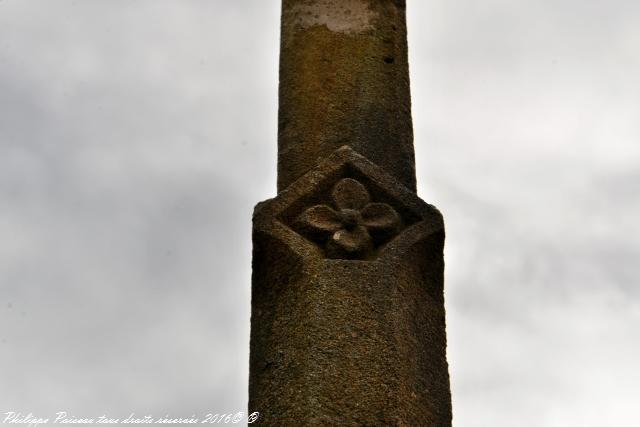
(136, 136)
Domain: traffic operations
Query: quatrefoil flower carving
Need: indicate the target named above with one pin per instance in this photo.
(355, 227)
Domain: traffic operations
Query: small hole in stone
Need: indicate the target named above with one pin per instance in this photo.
(388, 59)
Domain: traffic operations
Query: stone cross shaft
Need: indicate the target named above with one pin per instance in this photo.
(348, 320)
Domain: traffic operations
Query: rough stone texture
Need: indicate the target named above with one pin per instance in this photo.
(356, 229)
(342, 341)
(344, 80)
(348, 321)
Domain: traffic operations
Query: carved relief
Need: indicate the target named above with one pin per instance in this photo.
(355, 228)
(347, 208)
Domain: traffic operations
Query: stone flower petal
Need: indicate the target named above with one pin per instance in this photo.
(350, 194)
(321, 218)
(352, 241)
(380, 216)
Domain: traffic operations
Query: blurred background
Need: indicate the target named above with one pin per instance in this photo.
(135, 138)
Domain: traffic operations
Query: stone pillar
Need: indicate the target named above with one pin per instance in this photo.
(344, 80)
(348, 321)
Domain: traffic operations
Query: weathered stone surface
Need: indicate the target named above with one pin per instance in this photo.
(344, 80)
(356, 228)
(348, 321)
(348, 341)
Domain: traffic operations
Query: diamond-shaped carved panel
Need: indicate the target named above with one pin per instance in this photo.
(348, 216)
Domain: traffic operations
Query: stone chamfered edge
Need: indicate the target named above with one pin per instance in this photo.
(268, 214)
(348, 342)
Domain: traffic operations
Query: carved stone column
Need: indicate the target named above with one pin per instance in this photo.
(348, 321)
